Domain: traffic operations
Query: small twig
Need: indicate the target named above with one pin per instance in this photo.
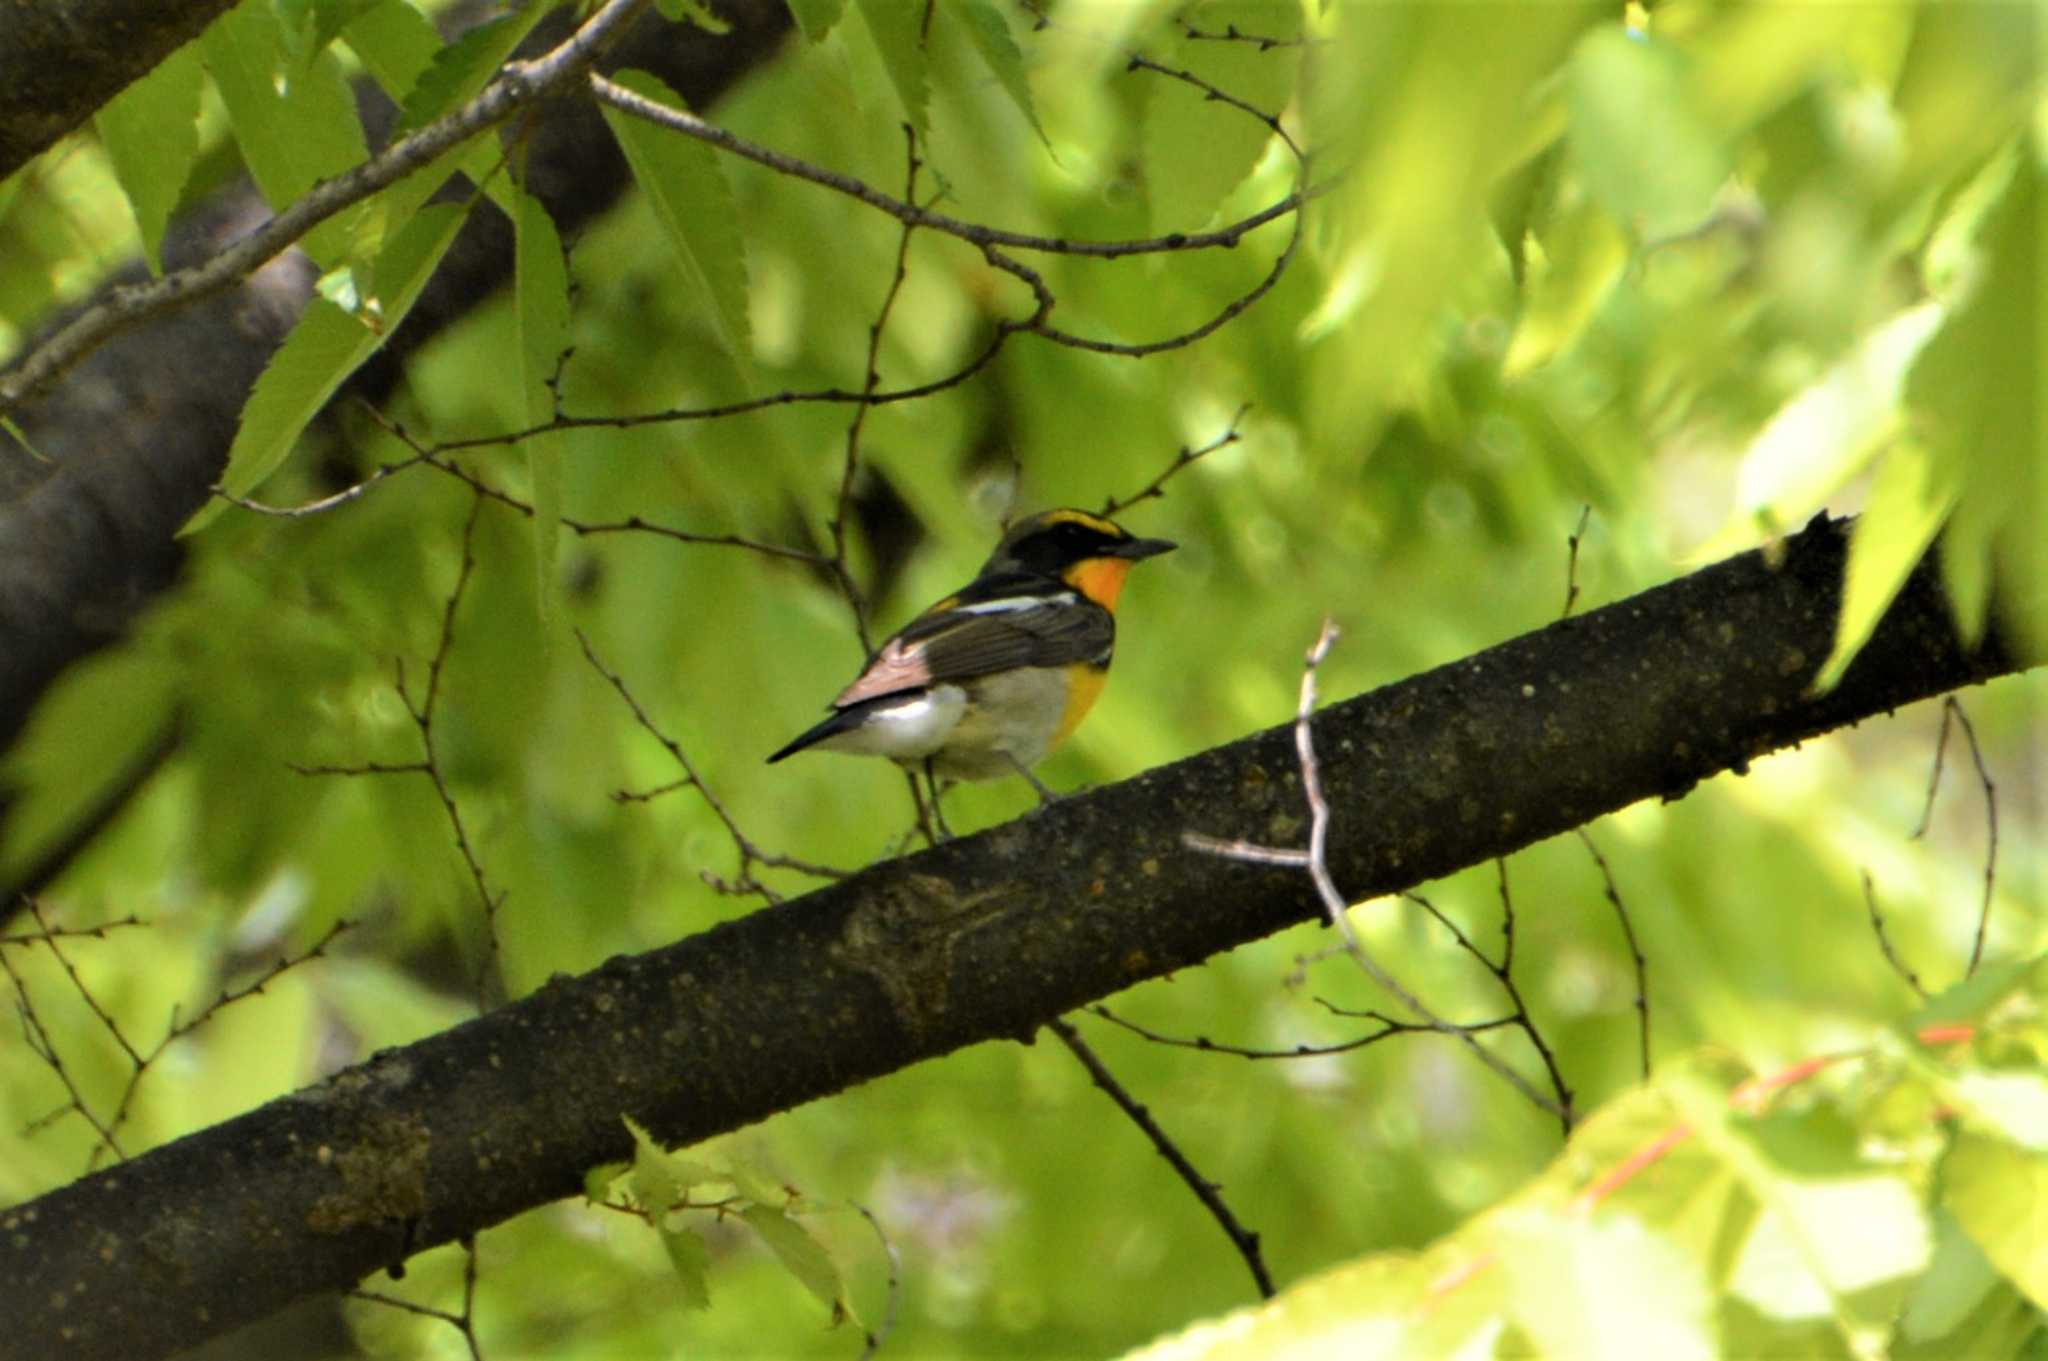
(1389, 1028)
(750, 854)
(879, 1336)
(1635, 951)
(1209, 1193)
(1183, 459)
(1334, 905)
(1884, 940)
(45, 1048)
(1232, 34)
(48, 933)
(1952, 709)
(1571, 565)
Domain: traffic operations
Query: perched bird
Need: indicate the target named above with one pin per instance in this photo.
(989, 680)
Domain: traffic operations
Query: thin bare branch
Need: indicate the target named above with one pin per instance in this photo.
(1209, 1193)
(1635, 950)
(1181, 461)
(1884, 940)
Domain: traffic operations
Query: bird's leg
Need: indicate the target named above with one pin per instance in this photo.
(938, 814)
(1045, 795)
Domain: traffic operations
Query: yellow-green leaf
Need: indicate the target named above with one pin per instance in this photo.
(152, 137)
(1908, 504)
(687, 191)
(803, 1256)
(325, 347)
(897, 27)
(296, 127)
(1999, 1194)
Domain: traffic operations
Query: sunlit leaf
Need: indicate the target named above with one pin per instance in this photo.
(686, 188)
(800, 1254)
(1908, 505)
(1611, 1289)
(463, 67)
(1583, 256)
(325, 347)
(295, 127)
(1999, 1194)
(693, 12)
(1637, 136)
(152, 138)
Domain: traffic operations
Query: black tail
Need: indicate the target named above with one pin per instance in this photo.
(839, 722)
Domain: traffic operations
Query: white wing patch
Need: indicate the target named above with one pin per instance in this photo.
(1018, 603)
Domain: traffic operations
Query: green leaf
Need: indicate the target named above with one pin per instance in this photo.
(1583, 256)
(295, 128)
(1976, 388)
(325, 347)
(693, 12)
(1908, 505)
(542, 295)
(690, 1259)
(662, 1179)
(1957, 1278)
(597, 1181)
(1825, 434)
(687, 191)
(1637, 134)
(1197, 149)
(800, 1254)
(897, 28)
(816, 17)
(1611, 1289)
(395, 43)
(151, 134)
(990, 35)
(1999, 1194)
(466, 65)
(309, 25)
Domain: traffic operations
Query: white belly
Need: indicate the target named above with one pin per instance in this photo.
(1015, 718)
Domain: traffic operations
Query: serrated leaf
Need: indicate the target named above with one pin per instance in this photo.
(395, 43)
(803, 1256)
(1976, 387)
(1197, 149)
(690, 1259)
(661, 1178)
(1999, 1194)
(816, 18)
(687, 191)
(1637, 135)
(989, 34)
(324, 348)
(464, 66)
(309, 25)
(1611, 1289)
(295, 128)
(542, 296)
(597, 1181)
(897, 28)
(151, 133)
(693, 12)
(1908, 505)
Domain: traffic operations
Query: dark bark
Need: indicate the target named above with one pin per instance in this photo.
(124, 451)
(61, 59)
(978, 939)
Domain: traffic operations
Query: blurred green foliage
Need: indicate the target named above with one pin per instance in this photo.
(1554, 260)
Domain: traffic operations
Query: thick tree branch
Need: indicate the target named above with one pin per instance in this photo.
(61, 59)
(973, 940)
(127, 446)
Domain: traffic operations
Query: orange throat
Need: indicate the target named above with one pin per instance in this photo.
(1100, 579)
